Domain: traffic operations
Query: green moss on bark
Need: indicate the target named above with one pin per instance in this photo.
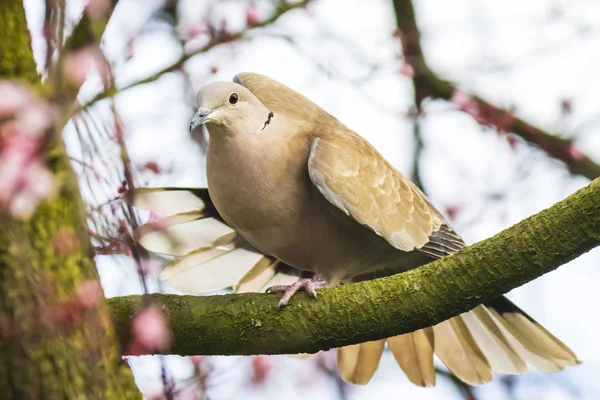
(51, 344)
(251, 324)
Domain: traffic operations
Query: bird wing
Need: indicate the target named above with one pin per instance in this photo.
(496, 336)
(355, 178)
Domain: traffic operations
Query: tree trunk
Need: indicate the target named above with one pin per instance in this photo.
(54, 344)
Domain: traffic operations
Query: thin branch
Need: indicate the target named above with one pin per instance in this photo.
(89, 30)
(428, 83)
(223, 38)
(250, 323)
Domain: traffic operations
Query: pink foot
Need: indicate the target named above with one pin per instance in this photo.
(308, 284)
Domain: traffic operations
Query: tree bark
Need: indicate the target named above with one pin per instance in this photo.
(245, 324)
(52, 344)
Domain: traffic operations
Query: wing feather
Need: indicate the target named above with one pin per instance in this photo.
(355, 178)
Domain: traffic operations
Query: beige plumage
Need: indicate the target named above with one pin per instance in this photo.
(291, 190)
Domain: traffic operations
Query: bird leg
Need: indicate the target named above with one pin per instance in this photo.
(308, 284)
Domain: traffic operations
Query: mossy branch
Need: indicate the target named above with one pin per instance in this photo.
(250, 323)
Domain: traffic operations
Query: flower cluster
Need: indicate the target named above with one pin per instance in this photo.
(24, 122)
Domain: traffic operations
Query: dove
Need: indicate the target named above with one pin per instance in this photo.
(298, 201)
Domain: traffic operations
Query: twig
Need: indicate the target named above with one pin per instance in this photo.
(228, 37)
(428, 83)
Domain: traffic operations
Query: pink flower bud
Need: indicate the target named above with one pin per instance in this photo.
(152, 166)
(252, 14)
(37, 183)
(79, 64)
(407, 70)
(512, 141)
(88, 293)
(261, 367)
(452, 212)
(575, 153)
(150, 331)
(36, 118)
(13, 97)
(196, 360)
(465, 102)
(98, 8)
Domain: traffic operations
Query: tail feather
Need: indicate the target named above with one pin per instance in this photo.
(535, 344)
(257, 277)
(211, 268)
(357, 363)
(414, 353)
(172, 200)
(493, 343)
(173, 237)
(455, 347)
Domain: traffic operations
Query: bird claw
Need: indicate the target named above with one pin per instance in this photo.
(307, 284)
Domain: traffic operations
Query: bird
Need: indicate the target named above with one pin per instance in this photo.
(298, 201)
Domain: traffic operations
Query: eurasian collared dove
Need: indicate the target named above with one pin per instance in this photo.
(292, 191)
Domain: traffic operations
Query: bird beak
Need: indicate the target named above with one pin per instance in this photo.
(199, 118)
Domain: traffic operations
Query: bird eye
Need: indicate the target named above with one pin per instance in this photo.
(233, 98)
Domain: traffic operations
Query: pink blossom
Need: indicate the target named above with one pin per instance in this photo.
(13, 97)
(407, 70)
(575, 153)
(36, 118)
(24, 179)
(152, 166)
(252, 14)
(79, 64)
(17, 151)
(150, 331)
(88, 293)
(452, 212)
(261, 367)
(98, 8)
(196, 360)
(37, 183)
(191, 31)
(465, 102)
(512, 141)
(157, 220)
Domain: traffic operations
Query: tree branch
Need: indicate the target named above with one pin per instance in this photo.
(428, 83)
(89, 31)
(251, 324)
(226, 37)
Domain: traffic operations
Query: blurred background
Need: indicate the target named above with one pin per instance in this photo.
(468, 98)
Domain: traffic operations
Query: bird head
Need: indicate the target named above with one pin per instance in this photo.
(229, 108)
